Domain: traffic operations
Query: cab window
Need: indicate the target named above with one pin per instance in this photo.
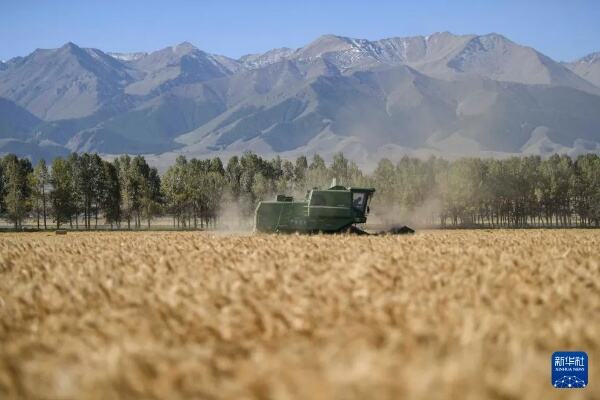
(359, 201)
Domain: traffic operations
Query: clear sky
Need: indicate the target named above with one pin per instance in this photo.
(562, 29)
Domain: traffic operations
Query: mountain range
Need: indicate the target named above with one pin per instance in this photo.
(441, 94)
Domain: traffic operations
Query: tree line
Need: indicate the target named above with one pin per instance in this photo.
(512, 192)
(84, 191)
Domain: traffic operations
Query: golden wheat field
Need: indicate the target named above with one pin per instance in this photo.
(170, 315)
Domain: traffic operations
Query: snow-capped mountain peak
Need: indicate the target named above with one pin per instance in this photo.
(590, 58)
(588, 67)
(252, 61)
(470, 90)
(128, 56)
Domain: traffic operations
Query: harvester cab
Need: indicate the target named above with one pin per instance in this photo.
(357, 200)
(332, 210)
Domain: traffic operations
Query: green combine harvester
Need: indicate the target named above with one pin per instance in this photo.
(334, 210)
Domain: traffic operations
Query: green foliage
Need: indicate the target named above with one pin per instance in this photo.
(62, 197)
(110, 196)
(40, 179)
(513, 192)
(317, 174)
(193, 189)
(16, 188)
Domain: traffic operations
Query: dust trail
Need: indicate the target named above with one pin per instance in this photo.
(390, 214)
(234, 218)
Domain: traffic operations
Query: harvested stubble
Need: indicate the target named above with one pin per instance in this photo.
(457, 315)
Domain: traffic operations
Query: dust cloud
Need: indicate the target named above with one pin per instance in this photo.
(234, 219)
(386, 216)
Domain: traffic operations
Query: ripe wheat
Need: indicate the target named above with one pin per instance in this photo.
(441, 314)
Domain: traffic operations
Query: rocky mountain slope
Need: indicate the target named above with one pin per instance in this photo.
(440, 94)
(587, 67)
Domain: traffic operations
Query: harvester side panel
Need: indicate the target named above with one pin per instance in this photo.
(332, 210)
(273, 216)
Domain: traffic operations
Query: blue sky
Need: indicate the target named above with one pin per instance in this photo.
(562, 29)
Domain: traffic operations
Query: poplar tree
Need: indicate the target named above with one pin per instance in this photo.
(40, 182)
(16, 187)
